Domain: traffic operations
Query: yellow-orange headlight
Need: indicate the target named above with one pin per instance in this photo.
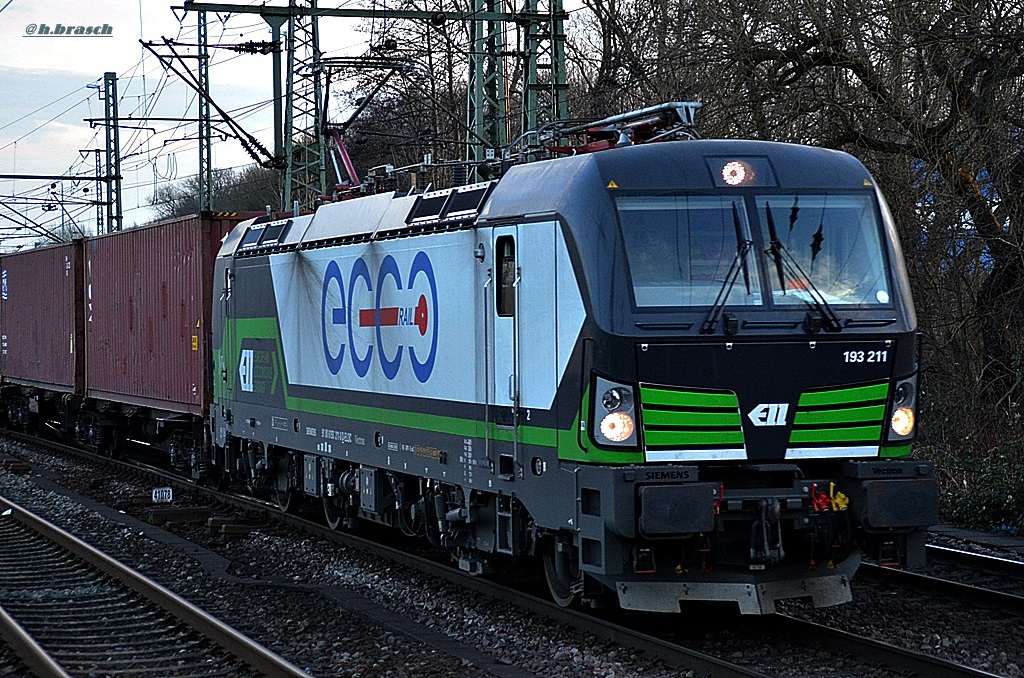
(617, 426)
(903, 421)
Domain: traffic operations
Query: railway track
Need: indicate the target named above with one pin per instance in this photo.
(972, 576)
(69, 609)
(671, 653)
(907, 662)
(660, 645)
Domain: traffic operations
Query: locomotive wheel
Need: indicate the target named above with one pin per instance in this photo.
(561, 570)
(332, 512)
(287, 500)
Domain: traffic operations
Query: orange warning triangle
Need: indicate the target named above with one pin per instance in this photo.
(612, 184)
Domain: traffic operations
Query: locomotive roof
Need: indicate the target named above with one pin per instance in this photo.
(576, 188)
(567, 185)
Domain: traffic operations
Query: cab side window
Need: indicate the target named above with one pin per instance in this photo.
(506, 259)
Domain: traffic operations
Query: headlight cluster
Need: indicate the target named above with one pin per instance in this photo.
(904, 401)
(614, 419)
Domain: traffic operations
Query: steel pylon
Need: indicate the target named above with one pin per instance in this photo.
(545, 92)
(305, 176)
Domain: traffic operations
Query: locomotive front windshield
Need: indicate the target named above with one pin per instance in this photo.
(680, 249)
(835, 241)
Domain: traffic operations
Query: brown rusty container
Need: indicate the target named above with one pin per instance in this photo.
(41, 319)
(148, 297)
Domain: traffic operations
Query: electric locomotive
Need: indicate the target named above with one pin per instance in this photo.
(673, 371)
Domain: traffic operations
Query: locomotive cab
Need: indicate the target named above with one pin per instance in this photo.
(748, 375)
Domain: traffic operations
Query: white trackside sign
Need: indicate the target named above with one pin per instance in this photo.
(769, 414)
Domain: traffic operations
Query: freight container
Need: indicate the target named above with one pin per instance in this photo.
(41, 318)
(148, 295)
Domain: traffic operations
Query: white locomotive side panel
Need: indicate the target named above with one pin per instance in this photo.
(404, 316)
(537, 316)
(552, 313)
(394, 317)
(569, 309)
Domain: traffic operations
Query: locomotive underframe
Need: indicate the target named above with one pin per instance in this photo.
(751, 545)
(474, 525)
(651, 536)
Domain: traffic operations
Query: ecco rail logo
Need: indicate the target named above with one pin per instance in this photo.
(395, 327)
(769, 414)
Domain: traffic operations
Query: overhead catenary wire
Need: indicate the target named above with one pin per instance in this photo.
(168, 141)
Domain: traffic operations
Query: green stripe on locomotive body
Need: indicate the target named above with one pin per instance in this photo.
(837, 435)
(686, 418)
(266, 328)
(691, 419)
(842, 396)
(830, 416)
(892, 451)
(870, 413)
(436, 423)
(660, 396)
(219, 385)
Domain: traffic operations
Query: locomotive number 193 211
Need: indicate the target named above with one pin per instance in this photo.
(865, 356)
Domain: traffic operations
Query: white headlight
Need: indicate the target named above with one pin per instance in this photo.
(612, 399)
(734, 173)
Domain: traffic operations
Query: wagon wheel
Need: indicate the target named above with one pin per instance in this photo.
(110, 446)
(103, 439)
(562, 572)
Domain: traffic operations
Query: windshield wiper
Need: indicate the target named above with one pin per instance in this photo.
(739, 263)
(790, 266)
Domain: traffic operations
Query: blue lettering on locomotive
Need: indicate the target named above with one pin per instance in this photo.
(388, 267)
(359, 270)
(421, 264)
(417, 316)
(338, 316)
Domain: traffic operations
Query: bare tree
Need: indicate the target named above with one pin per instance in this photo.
(249, 189)
(928, 94)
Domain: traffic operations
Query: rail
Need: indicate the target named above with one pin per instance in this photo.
(40, 536)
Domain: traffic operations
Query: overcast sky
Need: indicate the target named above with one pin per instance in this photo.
(44, 78)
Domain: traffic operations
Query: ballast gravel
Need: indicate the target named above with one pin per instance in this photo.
(306, 628)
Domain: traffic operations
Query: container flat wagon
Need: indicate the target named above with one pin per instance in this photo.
(108, 335)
